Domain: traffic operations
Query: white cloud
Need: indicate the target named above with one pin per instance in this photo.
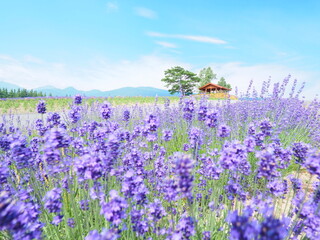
(32, 59)
(166, 44)
(105, 74)
(112, 7)
(195, 38)
(102, 74)
(145, 12)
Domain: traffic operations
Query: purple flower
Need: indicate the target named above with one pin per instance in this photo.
(267, 164)
(223, 131)
(89, 166)
(126, 115)
(77, 99)
(20, 153)
(160, 168)
(202, 112)
(251, 129)
(272, 228)
(156, 211)
(134, 160)
(283, 156)
(300, 151)
(297, 200)
(241, 225)
(9, 211)
(106, 234)
(312, 163)
(212, 118)
(19, 218)
(186, 147)
(57, 220)
(39, 125)
(185, 228)
(53, 119)
(206, 235)
(151, 123)
(250, 144)
(41, 107)
(4, 143)
(84, 205)
(210, 169)
(188, 109)
(139, 223)
(52, 200)
(105, 110)
(115, 210)
(278, 188)
(183, 166)
(57, 138)
(133, 187)
(51, 156)
(152, 137)
(71, 222)
(310, 218)
(4, 174)
(316, 194)
(265, 127)
(234, 189)
(234, 156)
(74, 114)
(170, 190)
(166, 135)
(296, 183)
(259, 138)
(195, 137)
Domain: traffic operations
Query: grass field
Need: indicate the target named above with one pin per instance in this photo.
(55, 104)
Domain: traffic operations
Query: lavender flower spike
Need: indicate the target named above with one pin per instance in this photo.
(41, 107)
(77, 99)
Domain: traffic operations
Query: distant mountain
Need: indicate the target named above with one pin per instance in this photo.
(121, 92)
(8, 86)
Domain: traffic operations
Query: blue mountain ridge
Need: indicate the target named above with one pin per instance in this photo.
(71, 91)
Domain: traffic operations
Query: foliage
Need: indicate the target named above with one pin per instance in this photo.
(222, 82)
(20, 93)
(193, 170)
(206, 75)
(179, 80)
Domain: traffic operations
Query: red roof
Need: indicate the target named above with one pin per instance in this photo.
(214, 86)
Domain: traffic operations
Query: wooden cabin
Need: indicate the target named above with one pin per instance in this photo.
(213, 88)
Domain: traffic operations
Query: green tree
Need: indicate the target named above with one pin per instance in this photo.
(206, 75)
(179, 80)
(222, 82)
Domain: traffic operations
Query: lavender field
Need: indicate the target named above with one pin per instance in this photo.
(195, 169)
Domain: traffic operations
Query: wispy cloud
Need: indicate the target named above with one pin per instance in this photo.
(166, 44)
(112, 7)
(103, 73)
(145, 12)
(144, 71)
(32, 59)
(195, 38)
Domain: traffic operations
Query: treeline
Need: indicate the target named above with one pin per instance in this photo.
(19, 93)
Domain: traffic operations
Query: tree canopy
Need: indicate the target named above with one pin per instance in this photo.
(206, 75)
(19, 93)
(180, 80)
(222, 82)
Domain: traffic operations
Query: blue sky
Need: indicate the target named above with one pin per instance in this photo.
(110, 44)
